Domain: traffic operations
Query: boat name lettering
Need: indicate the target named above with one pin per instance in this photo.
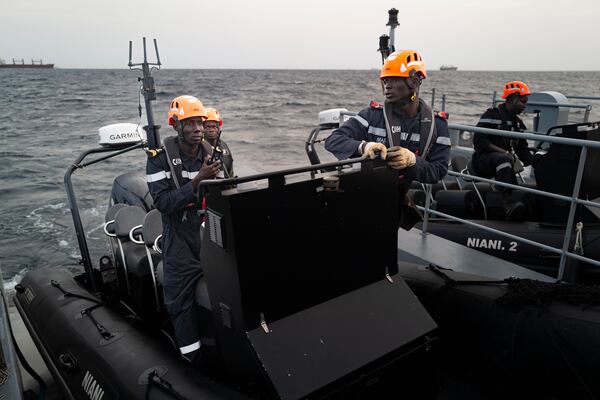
(129, 135)
(91, 387)
(490, 244)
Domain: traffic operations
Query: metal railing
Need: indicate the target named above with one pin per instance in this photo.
(495, 100)
(573, 200)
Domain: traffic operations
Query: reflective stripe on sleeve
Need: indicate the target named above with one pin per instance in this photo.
(503, 165)
(445, 140)
(190, 347)
(377, 131)
(189, 175)
(415, 137)
(490, 121)
(158, 176)
(362, 121)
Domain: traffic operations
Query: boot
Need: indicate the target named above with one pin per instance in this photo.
(515, 211)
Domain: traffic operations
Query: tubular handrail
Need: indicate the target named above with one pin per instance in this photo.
(524, 188)
(526, 136)
(510, 236)
(573, 200)
(584, 97)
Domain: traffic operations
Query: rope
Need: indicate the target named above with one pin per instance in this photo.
(523, 292)
(578, 246)
(156, 381)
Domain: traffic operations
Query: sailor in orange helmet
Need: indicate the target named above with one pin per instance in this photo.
(497, 156)
(404, 130)
(219, 149)
(173, 177)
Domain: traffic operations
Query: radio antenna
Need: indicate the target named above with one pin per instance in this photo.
(386, 42)
(148, 92)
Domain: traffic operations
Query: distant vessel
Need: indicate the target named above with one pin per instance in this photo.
(34, 64)
(448, 68)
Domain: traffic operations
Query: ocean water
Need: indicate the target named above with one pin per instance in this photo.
(47, 118)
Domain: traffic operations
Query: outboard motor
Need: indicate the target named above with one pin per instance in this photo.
(131, 188)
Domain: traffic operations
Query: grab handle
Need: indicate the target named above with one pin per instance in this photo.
(68, 362)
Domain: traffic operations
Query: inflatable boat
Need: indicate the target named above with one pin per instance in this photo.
(299, 299)
(556, 167)
(281, 317)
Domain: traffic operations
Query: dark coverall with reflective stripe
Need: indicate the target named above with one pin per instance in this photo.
(369, 125)
(180, 243)
(489, 163)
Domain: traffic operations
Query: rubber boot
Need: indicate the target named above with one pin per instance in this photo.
(513, 211)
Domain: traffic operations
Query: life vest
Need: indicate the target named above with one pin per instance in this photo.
(428, 132)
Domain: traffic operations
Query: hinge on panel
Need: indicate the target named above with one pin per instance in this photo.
(387, 275)
(263, 323)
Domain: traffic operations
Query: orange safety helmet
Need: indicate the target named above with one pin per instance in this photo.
(516, 87)
(213, 115)
(401, 63)
(184, 107)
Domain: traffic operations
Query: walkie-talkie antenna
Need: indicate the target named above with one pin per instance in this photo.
(148, 92)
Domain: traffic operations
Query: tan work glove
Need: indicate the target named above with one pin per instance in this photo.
(400, 157)
(371, 147)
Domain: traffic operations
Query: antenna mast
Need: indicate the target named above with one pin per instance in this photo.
(386, 43)
(148, 92)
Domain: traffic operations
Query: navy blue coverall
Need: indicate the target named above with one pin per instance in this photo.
(369, 125)
(489, 163)
(180, 243)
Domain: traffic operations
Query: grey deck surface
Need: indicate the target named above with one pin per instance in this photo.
(415, 247)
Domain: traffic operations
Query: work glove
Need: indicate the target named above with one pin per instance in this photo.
(400, 157)
(371, 147)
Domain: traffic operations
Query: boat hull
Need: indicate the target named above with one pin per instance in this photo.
(529, 256)
(90, 366)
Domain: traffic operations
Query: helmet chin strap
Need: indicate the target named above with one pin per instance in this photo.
(180, 132)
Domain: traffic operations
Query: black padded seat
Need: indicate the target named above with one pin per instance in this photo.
(109, 218)
(136, 255)
(152, 228)
(126, 219)
(137, 260)
(459, 163)
(112, 211)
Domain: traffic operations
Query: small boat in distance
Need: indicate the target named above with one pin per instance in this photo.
(448, 68)
(34, 64)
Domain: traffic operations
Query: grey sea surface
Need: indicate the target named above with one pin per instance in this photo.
(48, 117)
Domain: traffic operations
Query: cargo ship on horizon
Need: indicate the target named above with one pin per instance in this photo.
(448, 68)
(34, 64)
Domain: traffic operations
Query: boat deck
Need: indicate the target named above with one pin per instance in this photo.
(415, 247)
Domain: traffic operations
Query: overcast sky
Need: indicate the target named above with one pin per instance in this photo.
(330, 34)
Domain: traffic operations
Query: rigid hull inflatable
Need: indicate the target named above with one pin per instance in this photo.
(546, 219)
(97, 353)
(105, 334)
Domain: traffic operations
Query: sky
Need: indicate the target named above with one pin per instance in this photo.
(525, 35)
